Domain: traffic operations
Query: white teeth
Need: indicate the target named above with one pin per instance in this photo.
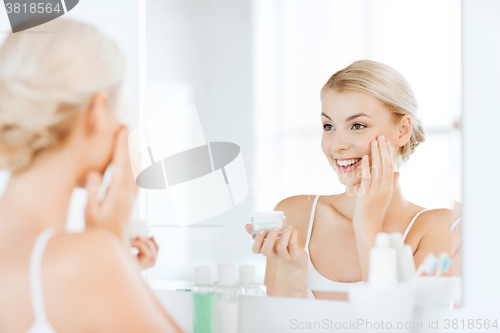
(347, 162)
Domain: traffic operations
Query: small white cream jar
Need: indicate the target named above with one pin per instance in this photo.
(268, 221)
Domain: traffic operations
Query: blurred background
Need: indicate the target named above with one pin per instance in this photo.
(254, 70)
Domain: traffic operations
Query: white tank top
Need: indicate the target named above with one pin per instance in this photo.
(316, 281)
(41, 323)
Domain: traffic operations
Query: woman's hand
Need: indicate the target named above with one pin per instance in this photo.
(113, 213)
(285, 249)
(376, 189)
(148, 251)
(290, 271)
(373, 199)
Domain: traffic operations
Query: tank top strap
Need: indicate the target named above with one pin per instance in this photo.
(457, 221)
(411, 223)
(36, 273)
(311, 221)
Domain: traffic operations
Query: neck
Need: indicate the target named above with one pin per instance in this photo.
(393, 215)
(39, 196)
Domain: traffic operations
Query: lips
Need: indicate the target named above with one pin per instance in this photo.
(350, 167)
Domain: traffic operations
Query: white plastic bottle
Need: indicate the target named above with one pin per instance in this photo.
(383, 297)
(406, 263)
(247, 282)
(382, 270)
(227, 294)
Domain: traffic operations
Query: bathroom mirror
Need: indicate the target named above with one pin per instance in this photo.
(254, 70)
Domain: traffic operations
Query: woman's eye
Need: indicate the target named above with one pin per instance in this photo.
(358, 125)
(327, 127)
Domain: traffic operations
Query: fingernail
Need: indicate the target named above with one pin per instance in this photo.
(276, 229)
(375, 143)
(382, 137)
(262, 232)
(290, 227)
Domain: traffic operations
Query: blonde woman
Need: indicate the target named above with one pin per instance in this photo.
(59, 128)
(370, 127)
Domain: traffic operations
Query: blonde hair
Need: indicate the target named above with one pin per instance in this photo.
(390, 87)
(47, 76)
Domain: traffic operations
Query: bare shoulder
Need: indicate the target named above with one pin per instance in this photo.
(432, 222)
(436, 219)
(93, 284)
(89, 247)
(297, 210)
(434, 233)
(81, 268)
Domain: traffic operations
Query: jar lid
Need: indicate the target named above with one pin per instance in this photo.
(274, 216)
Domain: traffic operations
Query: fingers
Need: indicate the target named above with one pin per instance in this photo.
(92, 184)
(384, 157)
(391, 153)
(283, 243)
(257, 243)
(145, 249)
(154, 243)
(123, 175)
(376, 168)
(268, 247)
(387, 169)
(248, 228)
(293, 245)
(365, 174)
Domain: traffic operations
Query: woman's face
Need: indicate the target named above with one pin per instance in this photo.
(351, 121)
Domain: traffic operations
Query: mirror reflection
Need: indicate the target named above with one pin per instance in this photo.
(306, 90)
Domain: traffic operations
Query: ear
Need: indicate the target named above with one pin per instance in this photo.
(404, 130)
(94, 115)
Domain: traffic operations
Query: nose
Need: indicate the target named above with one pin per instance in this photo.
(339, 143)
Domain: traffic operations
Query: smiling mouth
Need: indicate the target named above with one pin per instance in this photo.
(347, 165)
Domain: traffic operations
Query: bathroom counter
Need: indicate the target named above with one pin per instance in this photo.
(279, 314)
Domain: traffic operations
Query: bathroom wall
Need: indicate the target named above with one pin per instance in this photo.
(481, 221)
(199, 52)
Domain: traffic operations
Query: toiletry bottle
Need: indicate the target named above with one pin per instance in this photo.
(405, 261)
(382, 270)
(247, 282)
(383, 297)
(203, 301)
(226, 298)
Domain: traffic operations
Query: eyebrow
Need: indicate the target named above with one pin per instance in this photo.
(351, 117)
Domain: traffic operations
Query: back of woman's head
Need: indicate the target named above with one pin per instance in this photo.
(47, 76)
(390, 87)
